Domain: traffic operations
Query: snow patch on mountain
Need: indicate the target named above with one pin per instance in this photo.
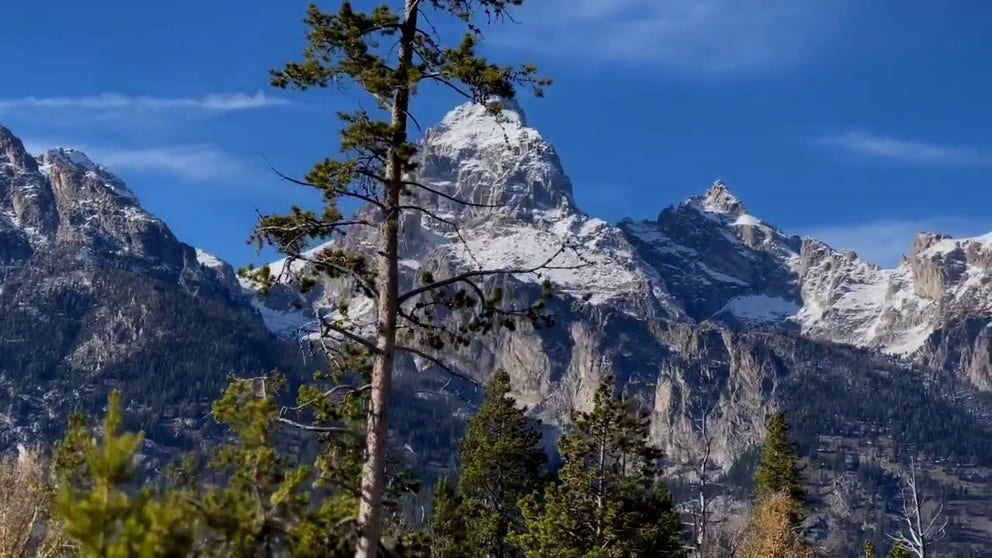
(473, 126)
(747, 220)
(209, 260)
(706, 258)
(287, 324)
(585, 257)
(77, 158)
(948, 244)
(761, 309)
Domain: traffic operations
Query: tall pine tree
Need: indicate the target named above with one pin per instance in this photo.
(609, 500)
(393, 52)
(102, 511)
(501, 462)
(447, 533)
(779, 471)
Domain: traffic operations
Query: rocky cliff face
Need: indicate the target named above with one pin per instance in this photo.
(96, 293)
(704, 260)
(707, 313)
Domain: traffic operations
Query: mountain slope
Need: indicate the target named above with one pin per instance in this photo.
(707, 311)
(724, 264)
(97, 294)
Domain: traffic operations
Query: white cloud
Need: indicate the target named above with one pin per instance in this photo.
(906, 150)
(884, 242)
(694, 35)
(199, 163)
(195, 163)
(116, 102)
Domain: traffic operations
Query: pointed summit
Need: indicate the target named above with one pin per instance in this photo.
(69, 155)
(476, 156)
(75, 160)
(12, 151)
(473, 126)
(512, 112)
(719, 199)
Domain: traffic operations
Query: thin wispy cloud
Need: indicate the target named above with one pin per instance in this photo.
(117, 102)
(885, 242)
(907, 151)
(197, 163)
(693, 35)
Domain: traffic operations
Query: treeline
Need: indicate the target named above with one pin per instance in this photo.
(169, 351)
(253, 497)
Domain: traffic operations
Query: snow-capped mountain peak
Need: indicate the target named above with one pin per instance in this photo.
(63, 200)
(12, 151)
(705, 259)
(73, 156)
(473, 125)
(719, 199)
(500, 162)
(98, 177)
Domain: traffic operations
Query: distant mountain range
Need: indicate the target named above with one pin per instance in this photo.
(707, 311)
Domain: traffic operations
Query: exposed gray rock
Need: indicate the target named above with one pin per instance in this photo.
(96, 294)
(706, 311)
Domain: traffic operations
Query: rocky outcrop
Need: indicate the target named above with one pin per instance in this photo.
(97, 293)
(707, 313)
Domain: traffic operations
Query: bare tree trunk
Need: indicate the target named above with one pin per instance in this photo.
(921, 533)
(373, 470)
(698, 507)
(704, 471)
(921, 549)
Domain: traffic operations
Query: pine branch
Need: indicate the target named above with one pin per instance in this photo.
(321, 429)
(331, 327)
(346, 389)
(365, 284)
(449, 197)
(467, 276)
(436, 361)
(346, 193)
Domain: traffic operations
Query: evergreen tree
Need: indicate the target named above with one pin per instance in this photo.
(779, 471)
(501, 462)
(98, 508)
(870, 551)
(391, 52)
(262, 503)
(250, 500)
(447, 530)
(609, 501)
(899, 551)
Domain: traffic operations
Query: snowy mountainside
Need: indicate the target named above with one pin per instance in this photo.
(706, 309)
(705, 259)
(730, 266)
(504, 163)
(522, 215)
(896, 310)
(97, 293)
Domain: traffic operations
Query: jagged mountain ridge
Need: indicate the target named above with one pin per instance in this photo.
(706, 258)
(96, 293)
(705, 310)
(661, 306)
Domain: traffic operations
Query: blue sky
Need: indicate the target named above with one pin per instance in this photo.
(860, 122)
